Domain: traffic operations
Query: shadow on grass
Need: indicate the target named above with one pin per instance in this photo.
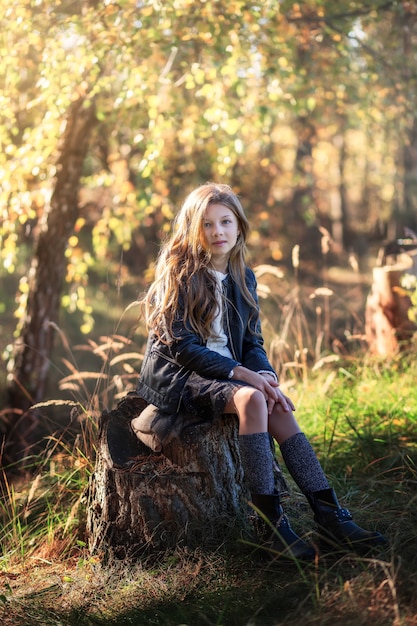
(233, 606)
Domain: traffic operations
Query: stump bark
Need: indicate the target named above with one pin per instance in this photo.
(387, 324)
(192, 493)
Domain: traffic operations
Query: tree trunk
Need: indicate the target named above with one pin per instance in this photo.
(407, 214)
(28, 378)
(141, 502)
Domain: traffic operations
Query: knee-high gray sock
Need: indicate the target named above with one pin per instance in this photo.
(257, 461)
(303, 464)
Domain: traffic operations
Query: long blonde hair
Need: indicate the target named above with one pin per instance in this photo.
(181, 274)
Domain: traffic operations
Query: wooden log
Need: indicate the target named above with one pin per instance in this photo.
(192, 493)
(143, 502)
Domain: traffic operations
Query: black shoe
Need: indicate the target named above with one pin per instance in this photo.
(275, 531)
(336, 526)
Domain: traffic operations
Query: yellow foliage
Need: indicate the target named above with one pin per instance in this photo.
(231, 126)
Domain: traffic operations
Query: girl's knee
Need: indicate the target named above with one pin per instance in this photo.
(249, 397)
(282, 424)
(279, 413)
(252, 411)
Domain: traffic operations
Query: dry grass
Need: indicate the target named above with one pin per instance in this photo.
(48, 577)
(361, 415)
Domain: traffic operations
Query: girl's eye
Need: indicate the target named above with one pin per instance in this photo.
(206, 224)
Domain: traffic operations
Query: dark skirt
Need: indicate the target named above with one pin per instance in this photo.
(202, 399)
(207, 397)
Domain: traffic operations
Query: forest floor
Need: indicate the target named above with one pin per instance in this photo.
(361, 416)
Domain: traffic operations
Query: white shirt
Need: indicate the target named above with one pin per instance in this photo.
(218, 341)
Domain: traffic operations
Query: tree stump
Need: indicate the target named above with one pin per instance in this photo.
(387, 325)
(192, 493)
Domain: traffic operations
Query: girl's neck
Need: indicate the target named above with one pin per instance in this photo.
(220, 267)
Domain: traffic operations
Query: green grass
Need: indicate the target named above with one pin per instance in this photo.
(361, 417)
(360, 414)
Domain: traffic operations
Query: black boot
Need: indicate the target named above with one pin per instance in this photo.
(277, 535)
(336, 526)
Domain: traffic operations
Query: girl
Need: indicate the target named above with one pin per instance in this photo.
(205, 356)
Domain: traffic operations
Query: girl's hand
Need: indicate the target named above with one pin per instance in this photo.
(267, 384)
(280, 397)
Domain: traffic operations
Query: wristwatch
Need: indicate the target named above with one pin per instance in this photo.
(231, 374)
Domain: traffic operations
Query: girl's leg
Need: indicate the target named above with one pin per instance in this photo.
(254, 440)
(296, 450)
(250, 406)
(257, 460)
(335, 523)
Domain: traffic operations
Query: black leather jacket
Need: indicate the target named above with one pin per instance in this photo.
(166, 368)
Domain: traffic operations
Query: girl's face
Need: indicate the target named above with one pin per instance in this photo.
(220, 231)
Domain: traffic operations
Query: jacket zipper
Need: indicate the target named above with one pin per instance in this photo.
(229, 334)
